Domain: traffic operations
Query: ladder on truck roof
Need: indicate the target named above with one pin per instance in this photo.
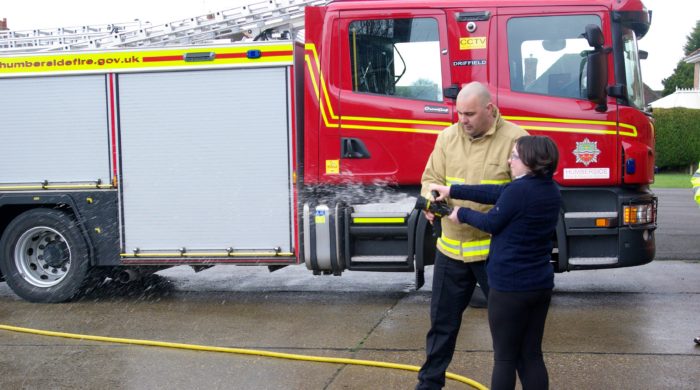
(260, 16)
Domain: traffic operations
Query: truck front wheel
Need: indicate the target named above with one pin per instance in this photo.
(44, 257)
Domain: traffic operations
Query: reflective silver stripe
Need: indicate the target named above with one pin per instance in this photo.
(465, 249)
(449, 247)
(453, 180)
(476, 248)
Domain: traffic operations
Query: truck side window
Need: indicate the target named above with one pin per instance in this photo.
(396, 57)
(547, 54)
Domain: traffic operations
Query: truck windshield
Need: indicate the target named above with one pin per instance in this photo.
(633, 73)
(547, 54)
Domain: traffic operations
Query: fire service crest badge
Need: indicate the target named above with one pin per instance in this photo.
(586, 152)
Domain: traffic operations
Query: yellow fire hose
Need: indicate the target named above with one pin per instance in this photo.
(240, 351)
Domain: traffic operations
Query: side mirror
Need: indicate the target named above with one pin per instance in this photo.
(594, 36)
(596, 67)
(597, 78)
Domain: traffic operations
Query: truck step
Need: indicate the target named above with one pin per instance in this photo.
(378, 259)
(381, 263)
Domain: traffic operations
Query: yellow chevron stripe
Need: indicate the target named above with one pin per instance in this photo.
(335, 117)
(633, 129)
(568, 130)
(316, 90)
(326, 98)
(391, 120)
(391, 129)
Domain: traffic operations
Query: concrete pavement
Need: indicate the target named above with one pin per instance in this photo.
(624, 329)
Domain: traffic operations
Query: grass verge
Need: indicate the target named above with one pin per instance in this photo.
(671, 180)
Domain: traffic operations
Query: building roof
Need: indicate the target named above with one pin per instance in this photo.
(693, 57)
(650, 95)
(686, 98)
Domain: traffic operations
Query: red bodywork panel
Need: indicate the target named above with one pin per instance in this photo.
(399, 133)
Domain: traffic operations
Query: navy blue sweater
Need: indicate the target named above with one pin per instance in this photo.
(522, 225)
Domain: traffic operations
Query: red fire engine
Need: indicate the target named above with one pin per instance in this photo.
(131, 148)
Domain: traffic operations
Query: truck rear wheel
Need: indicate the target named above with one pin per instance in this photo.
(43, 256)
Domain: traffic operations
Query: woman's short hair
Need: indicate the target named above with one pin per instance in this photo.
(539, 153)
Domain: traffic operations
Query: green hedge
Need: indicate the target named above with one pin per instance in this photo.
(677, 137)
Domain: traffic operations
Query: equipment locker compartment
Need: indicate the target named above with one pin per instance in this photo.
(55, 130)
(200, 150)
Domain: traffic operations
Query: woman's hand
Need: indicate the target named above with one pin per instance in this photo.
(453, 216)
(443, 190)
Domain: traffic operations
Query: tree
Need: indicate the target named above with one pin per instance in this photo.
(682, 76)
(693, 42)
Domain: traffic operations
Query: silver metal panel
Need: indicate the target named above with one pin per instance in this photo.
(339, 232)
(323, 237)
(54, 129)
(307, 236)
(205, 160)
(593, 260)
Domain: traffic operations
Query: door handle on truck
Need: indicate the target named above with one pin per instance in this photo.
(451, 92)
(353, 148)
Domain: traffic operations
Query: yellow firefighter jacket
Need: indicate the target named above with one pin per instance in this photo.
(695, 181)
(459, 159)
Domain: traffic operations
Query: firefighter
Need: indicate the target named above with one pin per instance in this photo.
(474, 150)
(695, 181)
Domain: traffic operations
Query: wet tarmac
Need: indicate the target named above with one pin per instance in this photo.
(610, 329)
(678, 235)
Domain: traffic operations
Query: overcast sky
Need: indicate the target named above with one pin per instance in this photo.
(672, 21)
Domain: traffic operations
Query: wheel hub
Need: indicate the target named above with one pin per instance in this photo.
(42, 256)
(56, 254)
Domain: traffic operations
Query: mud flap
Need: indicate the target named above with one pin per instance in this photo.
(425, 249)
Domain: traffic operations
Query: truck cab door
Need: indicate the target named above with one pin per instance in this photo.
(542, 88)
(393, 69)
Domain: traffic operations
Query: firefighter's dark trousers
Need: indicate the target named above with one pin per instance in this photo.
(453, 285)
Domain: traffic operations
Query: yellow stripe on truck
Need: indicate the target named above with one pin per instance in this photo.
(378, 220)
(140, 60)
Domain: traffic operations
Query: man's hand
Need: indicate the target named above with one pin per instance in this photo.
(429, 216)
(443, 190)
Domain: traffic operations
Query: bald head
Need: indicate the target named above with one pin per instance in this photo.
(475, 110)
(477, 90)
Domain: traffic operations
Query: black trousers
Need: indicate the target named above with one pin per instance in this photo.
(453, 285)
(517, 322)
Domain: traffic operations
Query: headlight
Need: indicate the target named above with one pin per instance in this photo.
(639, 214)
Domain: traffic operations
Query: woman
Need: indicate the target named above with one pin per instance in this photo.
(520, 275)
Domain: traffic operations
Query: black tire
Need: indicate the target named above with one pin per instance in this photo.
(43, 256)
